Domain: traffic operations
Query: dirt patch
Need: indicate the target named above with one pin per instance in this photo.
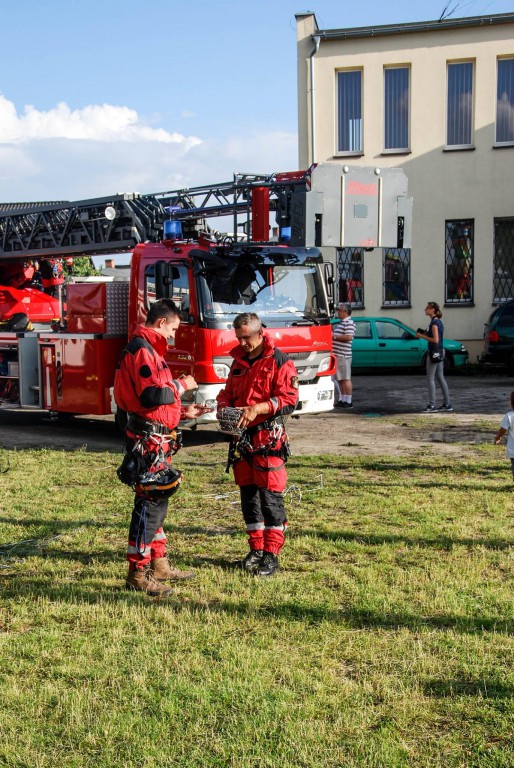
(386, 419)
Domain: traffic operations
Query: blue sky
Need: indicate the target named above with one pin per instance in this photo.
(147, 96)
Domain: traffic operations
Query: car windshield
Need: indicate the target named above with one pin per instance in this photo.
(274, 291)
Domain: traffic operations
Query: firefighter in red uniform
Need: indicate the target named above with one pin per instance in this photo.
(146, 390)
(263, 384)
(52, 276)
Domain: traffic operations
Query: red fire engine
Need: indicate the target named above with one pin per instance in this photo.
(70, 367)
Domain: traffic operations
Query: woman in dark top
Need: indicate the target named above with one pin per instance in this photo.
(435, 358)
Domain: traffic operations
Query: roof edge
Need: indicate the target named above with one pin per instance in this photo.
(417, 26)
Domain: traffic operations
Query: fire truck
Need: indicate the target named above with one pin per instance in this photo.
(69, 368)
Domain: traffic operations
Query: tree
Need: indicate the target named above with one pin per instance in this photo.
(83, 267)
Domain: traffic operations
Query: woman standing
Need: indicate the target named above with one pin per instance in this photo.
(435, 358)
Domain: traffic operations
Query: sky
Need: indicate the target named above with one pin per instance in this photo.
(98, 98)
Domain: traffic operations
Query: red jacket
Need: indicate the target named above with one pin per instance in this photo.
(143, 383)
(272, 377)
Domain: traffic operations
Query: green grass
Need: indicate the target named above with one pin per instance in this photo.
(386, 641)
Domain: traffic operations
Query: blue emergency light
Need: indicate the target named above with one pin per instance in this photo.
(172, 229)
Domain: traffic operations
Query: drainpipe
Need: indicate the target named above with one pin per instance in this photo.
(316, 40)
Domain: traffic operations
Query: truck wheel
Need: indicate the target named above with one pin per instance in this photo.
(121, 419)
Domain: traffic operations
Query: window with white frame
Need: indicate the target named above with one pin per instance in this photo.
(396, 275)
(396, 108)
(503, 277)
(459, 104)
(349, 106)
(460, 236)
(505, 102)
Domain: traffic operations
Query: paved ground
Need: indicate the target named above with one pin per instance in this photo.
(386, 418)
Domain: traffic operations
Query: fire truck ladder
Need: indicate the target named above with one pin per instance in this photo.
(117, 223)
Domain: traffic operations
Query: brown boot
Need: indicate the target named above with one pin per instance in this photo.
(142, 580)
(163, 570)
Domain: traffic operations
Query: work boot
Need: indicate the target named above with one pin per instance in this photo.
(252, 560)
(268, 565)
(142, 580)
(163, 570)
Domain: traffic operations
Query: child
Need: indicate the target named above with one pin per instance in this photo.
(507, 426)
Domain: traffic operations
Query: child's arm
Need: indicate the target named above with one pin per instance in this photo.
(499, 435)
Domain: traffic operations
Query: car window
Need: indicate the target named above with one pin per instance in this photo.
(387, 330)
(363, 329)
(506, 316)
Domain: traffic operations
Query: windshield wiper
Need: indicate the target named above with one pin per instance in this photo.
(309, 318)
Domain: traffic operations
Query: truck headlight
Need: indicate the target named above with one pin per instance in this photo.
(221, 370)
(324, 364)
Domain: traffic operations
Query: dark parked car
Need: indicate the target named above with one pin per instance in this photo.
(384, 342)
(499, 337)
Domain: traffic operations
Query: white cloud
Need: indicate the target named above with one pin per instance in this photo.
(96, 151)
(96, 122)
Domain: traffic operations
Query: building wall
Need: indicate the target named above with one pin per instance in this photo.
(453, 184)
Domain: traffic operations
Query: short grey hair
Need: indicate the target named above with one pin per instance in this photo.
(250, 319)
(347, 307)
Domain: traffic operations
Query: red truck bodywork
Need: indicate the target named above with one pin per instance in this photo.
(72, 370)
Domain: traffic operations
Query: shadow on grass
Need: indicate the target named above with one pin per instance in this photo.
(78, 591)
(486, 689)
(453, 485)
(376, 540)
(439, 542)
(380, 465)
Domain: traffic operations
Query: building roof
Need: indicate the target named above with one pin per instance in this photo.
(416, 26)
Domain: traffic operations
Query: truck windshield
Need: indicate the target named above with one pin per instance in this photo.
(278, 293)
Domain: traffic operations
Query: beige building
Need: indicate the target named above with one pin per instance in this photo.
(437, 99)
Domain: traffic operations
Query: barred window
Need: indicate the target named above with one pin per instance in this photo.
(396, 102)
(396, 276)
(459, 261)
(505, 102)
(459, 112)
(350, 267)
(349, 99)
(503, 279)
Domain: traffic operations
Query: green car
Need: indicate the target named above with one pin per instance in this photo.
(384, 342)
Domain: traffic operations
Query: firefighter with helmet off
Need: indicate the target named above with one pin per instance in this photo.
(145, 388)
(262, 388)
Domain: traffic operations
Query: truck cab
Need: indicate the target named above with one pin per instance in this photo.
(285, 286)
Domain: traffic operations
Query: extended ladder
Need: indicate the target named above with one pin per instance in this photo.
(117, 223)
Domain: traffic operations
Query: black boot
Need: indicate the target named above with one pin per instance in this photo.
(252, 560)
(268, 565)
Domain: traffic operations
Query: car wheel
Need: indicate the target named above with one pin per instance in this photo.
(510, 363)
(448, 363)
(424, 362)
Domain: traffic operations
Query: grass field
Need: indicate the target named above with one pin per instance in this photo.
(387, 640)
